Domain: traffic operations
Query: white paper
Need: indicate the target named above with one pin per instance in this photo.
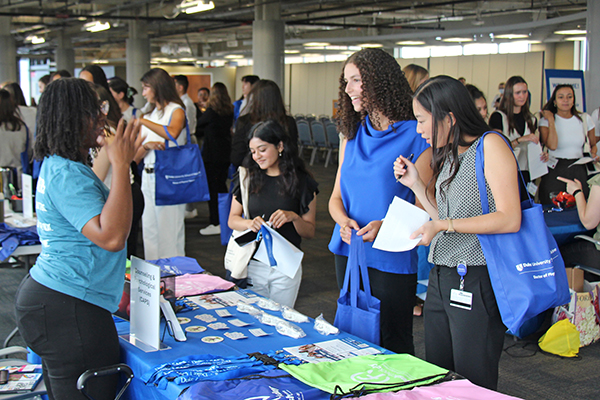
(552, 161)
(401, 220)
(287, 256)
(27, 195)
(582, 160)
(537, 167)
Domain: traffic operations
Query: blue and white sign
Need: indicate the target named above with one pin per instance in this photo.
(555, 77)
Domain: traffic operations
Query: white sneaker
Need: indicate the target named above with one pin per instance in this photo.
(211, 230)
(191, 214)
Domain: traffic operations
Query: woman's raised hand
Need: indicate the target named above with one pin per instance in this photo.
(405, 172)
(125, 144)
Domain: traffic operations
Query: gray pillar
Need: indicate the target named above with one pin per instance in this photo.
(138, 57)
(268, 43)
(8, 49)
(592, 78)
(64, 54)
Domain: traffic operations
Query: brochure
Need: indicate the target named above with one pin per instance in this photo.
(21, 379)
(331, 350)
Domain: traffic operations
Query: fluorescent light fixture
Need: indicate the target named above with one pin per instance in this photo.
(411, 43)
(234, 56)
(187, 59)
(457, 40)
(511, 36)
(571, 32)
(195, 6)
(35, 39)
(571, 38)
(96, 26)
(292, 51)
(370, 45)
(100, 61)
(316, 44)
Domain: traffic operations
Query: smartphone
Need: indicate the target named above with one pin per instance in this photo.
(246, 238)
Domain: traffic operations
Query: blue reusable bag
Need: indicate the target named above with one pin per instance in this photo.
(224, 209)
(25, 155)
(357, 310)
(526, 269)
(180, 174)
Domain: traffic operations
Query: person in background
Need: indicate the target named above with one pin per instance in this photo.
(498, 97)
(64, 305)
(564, 131)
(203, 95)
(415, 75)
(468, 342)
(163, 227)
(13, 135)
(238, 106)
(267, 104)
(282, 192)
(479, 100)
(94, 73)
(63, 73)
(123, 95)
(514, 120)
(28, 114)
(215, 125)
(181, 85)
(462, 80)
(43, 82)
(376, 119)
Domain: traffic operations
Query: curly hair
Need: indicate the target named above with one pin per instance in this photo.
(219, 100)
(290, 164)
(9, 115)
(551, 104)
(67, 118)
(385, 91)
(507, 104)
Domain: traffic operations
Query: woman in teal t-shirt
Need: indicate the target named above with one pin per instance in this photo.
(64, 306)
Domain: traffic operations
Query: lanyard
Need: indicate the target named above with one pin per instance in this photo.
(461, 268)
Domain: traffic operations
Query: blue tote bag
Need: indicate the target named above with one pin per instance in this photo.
(180, 174)
(357, 310)
(526, 269)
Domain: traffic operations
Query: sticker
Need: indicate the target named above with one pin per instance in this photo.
(212, 339)
(238, 322)
(205, 318)
(258, 332)
(235, 335)
(183, 320)
(223, 313)
(195, 329)
(218, 325)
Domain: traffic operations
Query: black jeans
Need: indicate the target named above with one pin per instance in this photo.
(71, 336)
(397, 294)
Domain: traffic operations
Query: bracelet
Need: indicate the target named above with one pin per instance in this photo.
(450, 226)
(575, 192)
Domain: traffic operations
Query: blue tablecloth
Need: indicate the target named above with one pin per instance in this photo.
(564, 225)
(140, 361)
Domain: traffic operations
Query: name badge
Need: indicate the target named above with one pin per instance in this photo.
(461, 299)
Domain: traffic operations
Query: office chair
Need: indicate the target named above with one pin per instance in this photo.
(104, 371)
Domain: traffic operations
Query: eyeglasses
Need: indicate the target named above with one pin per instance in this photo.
(104, 107)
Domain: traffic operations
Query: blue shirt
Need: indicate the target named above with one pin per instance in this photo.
(368, 186)
(69, 194)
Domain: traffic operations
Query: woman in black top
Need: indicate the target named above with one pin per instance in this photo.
(282, 192)
(215, 125)
(265, 102)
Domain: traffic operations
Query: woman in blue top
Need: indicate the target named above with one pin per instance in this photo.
(64, 306)
(376, 119)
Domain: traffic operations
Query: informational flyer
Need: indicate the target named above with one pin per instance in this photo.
(224, 299)
(332, 350)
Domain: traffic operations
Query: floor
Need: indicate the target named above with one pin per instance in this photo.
(524, 371)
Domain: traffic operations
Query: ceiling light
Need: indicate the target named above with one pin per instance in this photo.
(316, 44)
(35, 39)
(100, 61)
(511, 36)
(576, 38)
(411, 43)
(370, 45)
(234, 56)
(195, 6)
(457, 40)
(292, 51)
(571, 32)
(187, 59)
(96, 26)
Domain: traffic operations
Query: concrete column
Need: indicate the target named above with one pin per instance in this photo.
(64, 54)
(268, 43)
(138, 57)
(592, 78)
(8, 49)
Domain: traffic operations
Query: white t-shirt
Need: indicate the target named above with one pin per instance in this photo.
(570, 135)
(595, 119)
(162, 117)
(190, 111)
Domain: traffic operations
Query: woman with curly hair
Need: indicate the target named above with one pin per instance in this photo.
(64, 305)
(377, 121)
(282, 192)
(215, 126)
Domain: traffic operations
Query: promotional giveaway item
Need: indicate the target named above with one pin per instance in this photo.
(180, 173)
(357, 310)
(526, 269)
(367, 374)
(583, 312)
(238, 255)
(561, 339)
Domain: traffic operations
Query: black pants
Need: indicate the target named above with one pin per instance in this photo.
(581, 252)
(216, 174)
(71, 336)
(396, 292)
(138, 210)
(468, 342)
(550, 184)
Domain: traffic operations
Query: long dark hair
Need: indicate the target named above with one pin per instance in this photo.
(551, 104)
(507, 104)
(290, 165)
(267, 103)
(164, 87)
(385, 90)
(219, 100)
(8, 112)
(17, 94)
(66, 119)
(98, 75)
(441, 96)
(114, 111)
(119, 85)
